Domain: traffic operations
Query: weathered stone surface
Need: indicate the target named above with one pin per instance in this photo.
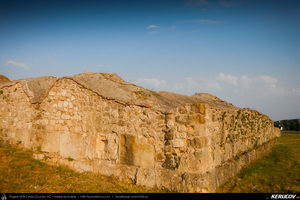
(146, 177)
(134, 151)
(199, 142)
(178, 143)
(98, 122)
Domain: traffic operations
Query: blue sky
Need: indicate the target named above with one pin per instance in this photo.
(244, 51)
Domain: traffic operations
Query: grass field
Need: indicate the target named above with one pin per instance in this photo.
(19, 172)
(276, 173)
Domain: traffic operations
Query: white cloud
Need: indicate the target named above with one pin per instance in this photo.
(197, 84)
(16, 64)
(261, 84)
(152, 26)
(202, 21)
(227, 78)
(151, 83)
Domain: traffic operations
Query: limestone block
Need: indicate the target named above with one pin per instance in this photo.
(189, 163)
(181, 135)
(203, 156)
(168, 179)
(70, 123)
(182, 110)
(201, 183)
(190, 131)
(60, 104)
(146, 177)
(67, 146)
(63, 93)
(217, 156)
(84, 129)
(178, 143)
(170, 123)
(132, 152)
(29, 125)
(111, 147)
(82, 166)
(100, 147)
(198, 119)
(51, 122)
(159, 157)
(126, 173)
(181, 128)
(199, 142)
(63, 116)
(77, 129)
(65, 104)
(66, 129)
(183, 119)
(200, 130)
(51, 142)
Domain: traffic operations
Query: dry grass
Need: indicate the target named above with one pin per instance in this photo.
(19, 172)
(275, 173)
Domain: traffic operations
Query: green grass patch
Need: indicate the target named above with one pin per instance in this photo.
(20, 173)
(70, 159)
(277, 172)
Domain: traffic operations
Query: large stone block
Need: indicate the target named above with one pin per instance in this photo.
(51, 142)
(178, 143)
(132, 152)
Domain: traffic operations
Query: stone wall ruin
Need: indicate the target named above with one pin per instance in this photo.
(98, 122)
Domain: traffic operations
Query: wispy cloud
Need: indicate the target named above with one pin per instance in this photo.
(262, 84)
(152, 26)
(196, 84)
(227, 78)
(16, 64)
(201, 21)
(247, 85)
(196, 3)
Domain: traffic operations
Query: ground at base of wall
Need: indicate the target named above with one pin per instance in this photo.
(19, 172)
(278, 172)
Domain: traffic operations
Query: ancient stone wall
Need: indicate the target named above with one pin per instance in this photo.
(192, 147)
